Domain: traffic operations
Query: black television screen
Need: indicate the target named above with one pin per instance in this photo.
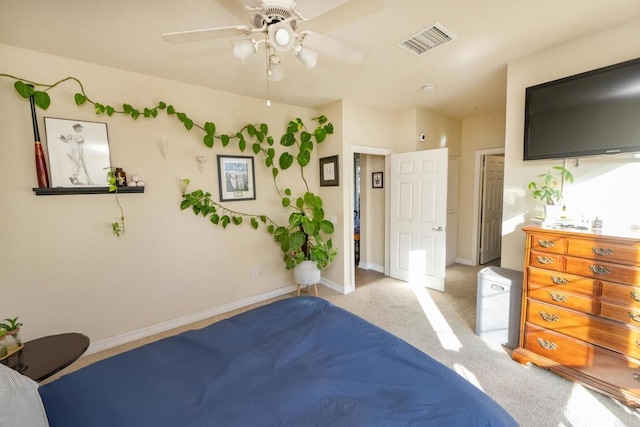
(597, 112)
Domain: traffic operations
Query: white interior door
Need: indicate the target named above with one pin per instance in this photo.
(418, 217)
(491, 208)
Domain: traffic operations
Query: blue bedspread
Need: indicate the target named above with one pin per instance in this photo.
(296, 362)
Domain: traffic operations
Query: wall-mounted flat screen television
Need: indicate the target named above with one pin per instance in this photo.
(592, 113)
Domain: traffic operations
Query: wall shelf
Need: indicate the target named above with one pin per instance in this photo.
(84, 190)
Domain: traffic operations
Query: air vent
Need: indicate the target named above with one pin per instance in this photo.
(427, 39)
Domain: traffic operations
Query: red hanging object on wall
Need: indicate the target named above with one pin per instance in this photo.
(41, 165)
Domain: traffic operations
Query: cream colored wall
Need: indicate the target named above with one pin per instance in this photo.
(368, 126)
(479, 133)
(333, 198)
(441, 132)
(407, 130)
(604, 186)
(362, 126)
(61, 267)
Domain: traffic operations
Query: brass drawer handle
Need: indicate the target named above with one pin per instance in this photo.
(598, 269)
(547, 344)
(546, 243)
(559, 280)
(558, 297)
(549, 317)
(634, 317)
(544, 260)
(602, 251)
(635, 295)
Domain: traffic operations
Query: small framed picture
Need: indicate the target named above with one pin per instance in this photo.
(236, 178)
(329, 171)
(377, 178)
(78, 152)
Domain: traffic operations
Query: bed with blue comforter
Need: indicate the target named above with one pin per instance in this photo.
(296, 362)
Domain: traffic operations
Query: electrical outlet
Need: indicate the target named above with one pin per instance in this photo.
(254, 273)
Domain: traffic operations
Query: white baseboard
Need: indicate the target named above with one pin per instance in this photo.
(185, 320)
(332, 285)
(465, 261)
(369, 266)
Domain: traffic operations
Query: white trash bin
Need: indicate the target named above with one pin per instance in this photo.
(498, 305)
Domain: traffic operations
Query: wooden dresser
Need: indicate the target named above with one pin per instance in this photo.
(581, 309)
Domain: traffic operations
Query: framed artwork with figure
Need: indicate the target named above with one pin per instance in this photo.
(78, 152)
(329, 171)
(377, 179)
(236, 178)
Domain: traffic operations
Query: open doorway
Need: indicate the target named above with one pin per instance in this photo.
(489, 185)
(369, 219)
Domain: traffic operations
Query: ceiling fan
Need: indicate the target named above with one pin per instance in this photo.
(276, 21)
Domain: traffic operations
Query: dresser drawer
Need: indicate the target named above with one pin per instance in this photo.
(625, 295)
(606, 333)
(604, 251)
(557, 347)
(564, 299)
(563, 281)
(547, 260)
(599, 363)
(546, 243)
(603, 271)
(620, 313)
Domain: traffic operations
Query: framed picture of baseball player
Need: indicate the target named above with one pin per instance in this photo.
(78, 152)
(236, 178)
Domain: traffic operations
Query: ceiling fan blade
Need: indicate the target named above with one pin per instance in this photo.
(206, 34)
(309, 9)
(251, 3)
(331, 47)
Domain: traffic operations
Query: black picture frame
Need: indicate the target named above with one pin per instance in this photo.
(377, 180)
(329, 173)
(236, 178)
(78, 152)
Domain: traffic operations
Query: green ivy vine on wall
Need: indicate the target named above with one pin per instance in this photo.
(307, 234)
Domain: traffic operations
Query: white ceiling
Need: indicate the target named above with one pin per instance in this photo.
(469, 73)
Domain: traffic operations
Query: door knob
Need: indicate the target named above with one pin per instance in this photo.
(439, 229)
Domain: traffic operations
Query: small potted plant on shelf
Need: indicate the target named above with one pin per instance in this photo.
(3, 348)
(11, 329)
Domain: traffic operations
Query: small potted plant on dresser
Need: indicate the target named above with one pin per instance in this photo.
(11, 329)
(549, 190)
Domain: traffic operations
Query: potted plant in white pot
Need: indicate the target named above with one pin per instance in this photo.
(305, 240)
(549, 190)
(11, 329)
(3, 348)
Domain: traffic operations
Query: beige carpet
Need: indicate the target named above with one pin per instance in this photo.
(430, 321)
(442, 325)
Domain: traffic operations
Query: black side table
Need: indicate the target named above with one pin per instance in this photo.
(43, 357)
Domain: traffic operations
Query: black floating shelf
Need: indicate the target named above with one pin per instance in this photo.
(84, 190)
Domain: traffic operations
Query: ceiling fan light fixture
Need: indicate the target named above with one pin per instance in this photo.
(275, 73)
(242, 49)
(307, 56)
(281, 36)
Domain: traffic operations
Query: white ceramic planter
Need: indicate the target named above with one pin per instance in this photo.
(3, 348)
(552, 212)
(12, 341)
(306, 273)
